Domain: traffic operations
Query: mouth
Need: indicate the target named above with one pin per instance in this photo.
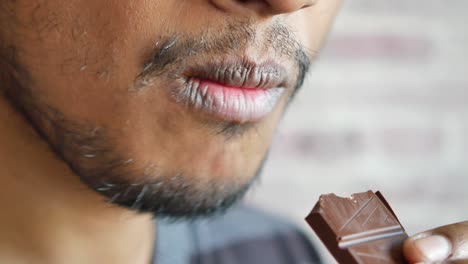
(233, 92)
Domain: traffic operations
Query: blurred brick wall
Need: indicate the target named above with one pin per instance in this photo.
(385, 108)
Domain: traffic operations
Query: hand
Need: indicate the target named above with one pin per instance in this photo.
(447, 244)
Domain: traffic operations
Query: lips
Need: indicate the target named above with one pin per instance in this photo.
(241, 75)
(233, 92)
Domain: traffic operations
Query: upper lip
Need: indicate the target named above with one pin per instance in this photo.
(241, 75)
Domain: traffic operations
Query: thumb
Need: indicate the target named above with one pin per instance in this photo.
(444, 244)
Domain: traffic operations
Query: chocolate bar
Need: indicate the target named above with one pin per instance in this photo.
(360, 229)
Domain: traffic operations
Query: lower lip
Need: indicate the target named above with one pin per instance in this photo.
(229, 103)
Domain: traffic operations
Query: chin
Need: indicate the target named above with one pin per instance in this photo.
(177, 196)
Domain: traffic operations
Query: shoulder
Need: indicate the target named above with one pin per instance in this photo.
(246, 235)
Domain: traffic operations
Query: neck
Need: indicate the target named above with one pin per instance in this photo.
(48, 216)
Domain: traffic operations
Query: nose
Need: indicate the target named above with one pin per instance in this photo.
(288, 6)
(263, 7)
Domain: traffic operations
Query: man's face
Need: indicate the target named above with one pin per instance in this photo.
(162, 106)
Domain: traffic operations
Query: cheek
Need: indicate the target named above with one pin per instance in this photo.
(85, 55)
(82, 57)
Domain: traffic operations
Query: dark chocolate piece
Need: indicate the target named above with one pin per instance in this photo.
(360, 229)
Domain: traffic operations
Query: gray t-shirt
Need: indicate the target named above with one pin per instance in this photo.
(242, 236)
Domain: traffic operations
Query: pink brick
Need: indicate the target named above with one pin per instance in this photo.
(379, 46)
(319, 145)
(410, 141)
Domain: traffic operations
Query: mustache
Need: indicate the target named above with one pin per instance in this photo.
(169, 52)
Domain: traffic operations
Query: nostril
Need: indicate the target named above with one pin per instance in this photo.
(247, 1)
(262, 7)
(259, 6)
(290, 6)
(253, 2)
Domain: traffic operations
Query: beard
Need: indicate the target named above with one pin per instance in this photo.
(92, 153)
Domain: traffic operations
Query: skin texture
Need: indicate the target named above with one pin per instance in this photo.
(87, 113)
(82, 119)
(95, 80)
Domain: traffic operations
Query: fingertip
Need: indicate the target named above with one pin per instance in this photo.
(427, 248)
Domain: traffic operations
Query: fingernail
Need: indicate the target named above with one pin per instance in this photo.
(434, 248)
